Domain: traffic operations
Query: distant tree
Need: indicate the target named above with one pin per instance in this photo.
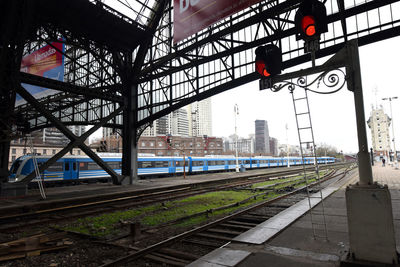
(324, 149)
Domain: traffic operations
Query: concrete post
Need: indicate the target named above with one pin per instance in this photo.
(355, 84)
(369, 209)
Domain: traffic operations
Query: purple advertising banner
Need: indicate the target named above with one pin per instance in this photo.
(191, 16)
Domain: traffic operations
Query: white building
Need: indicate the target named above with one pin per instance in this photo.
(200, 118)
(193, 120)
(379, 123)
(179, 123)
(244, 145)
(176, 123)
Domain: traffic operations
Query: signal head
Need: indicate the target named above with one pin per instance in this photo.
(310, 20)
(268, 60)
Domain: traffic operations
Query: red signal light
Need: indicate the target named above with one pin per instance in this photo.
(308, 25)
(261, 68)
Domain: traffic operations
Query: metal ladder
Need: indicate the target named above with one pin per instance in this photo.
(38, 177)
(306, 139)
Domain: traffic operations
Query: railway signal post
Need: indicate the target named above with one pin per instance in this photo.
(369, 208)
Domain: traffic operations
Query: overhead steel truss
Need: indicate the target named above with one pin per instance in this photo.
(214, 60)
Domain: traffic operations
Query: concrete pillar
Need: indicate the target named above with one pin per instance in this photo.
(369, 207)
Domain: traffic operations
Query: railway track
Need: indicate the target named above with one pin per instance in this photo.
(187, 247)
(41, 216)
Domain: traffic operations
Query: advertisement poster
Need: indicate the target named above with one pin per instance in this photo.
(191, 16)
(48, 62)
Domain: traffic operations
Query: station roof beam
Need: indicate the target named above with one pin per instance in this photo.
(93, 20)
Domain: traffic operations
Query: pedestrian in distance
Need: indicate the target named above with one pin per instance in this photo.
(383, 162)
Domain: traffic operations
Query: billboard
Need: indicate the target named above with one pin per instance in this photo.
(191, 16)
(48, 62)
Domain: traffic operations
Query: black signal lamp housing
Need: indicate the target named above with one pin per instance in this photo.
(310, 20)
(268, 60)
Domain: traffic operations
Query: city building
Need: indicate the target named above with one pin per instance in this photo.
(48, 141)
(178, 145)
(18, 149)
(379, 123)
(193, 120)
(273, 146)
(175, 123)
(245, 146)
(262, 146)
(200, 118)
(179, 123)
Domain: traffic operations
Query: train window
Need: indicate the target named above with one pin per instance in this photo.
(56, 167)
(66, 166)
(161, 164)
(231, 162)
(93, 166)
(74, 166)
(83, 166)
(180, 163)
(15, 166)
(197, 163)
(146, 164)
(113, 164)
(211, 163)
(247, 162)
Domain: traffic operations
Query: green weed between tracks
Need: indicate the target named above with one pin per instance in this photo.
(111, 224)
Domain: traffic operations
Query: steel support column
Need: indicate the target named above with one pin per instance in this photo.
(129, 141)
(14, 26)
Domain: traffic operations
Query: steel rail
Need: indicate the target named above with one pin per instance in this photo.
(176, 238)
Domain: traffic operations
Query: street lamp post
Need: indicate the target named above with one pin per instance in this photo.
(236, 110)
(396, 164)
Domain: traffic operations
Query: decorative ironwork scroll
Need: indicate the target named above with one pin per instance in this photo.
(334, 80)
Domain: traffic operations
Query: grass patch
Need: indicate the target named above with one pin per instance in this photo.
(106, 224)
(111, 224)
(195, 204)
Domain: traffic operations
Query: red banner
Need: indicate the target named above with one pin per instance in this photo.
(191, 16)
(43, 60)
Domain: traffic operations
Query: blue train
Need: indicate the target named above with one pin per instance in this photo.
(72, 168)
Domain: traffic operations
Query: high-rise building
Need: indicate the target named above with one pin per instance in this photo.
(244, 145)
(194, 120)
(262, 137)
(379, 124)
(52, 136)
(200, 118)
(179, 123)
(176, 123)
(273, 146)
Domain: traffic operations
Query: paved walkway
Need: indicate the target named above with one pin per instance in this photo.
(294, 245)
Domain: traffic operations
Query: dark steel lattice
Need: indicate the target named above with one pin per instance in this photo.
(212, 61)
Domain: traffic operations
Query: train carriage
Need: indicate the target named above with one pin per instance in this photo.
(72, 168)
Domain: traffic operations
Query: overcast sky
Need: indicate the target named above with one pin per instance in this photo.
(333, 116)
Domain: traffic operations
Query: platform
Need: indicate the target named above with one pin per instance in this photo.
(287, 238)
